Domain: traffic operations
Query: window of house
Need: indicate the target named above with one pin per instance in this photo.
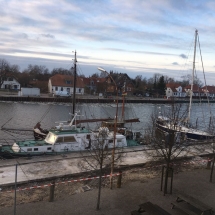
(61, 88)
(10, 79)
(56, 88)
(110, 141)
(79, 90)
(68, 82)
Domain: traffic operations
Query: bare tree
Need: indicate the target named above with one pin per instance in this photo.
(168, 143)
(100, 157)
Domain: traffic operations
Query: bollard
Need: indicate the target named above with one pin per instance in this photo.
(119, 179)
(51, 194)
(208, 164)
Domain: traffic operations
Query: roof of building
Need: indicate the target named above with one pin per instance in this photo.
(66, 81)
(210, 89)
(172, 85)
(87, 81)
(196, 88)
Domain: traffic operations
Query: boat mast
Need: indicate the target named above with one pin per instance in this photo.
(74, 86)
(123, 102)
(191, 89)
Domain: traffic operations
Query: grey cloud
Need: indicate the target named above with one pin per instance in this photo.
(48, 36)
(175, 63)
(183, 56)
(24, 35)
(141, 52)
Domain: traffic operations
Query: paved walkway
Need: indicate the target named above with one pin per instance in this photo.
(122, 201)
(47, 166)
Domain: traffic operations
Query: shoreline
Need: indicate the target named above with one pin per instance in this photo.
(95, 99)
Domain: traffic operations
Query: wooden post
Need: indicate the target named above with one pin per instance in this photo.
(119, 180)
(212, 169)
(208, 164)
(162, 178)
(51, 194)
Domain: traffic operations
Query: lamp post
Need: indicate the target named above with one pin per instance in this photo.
(212, 168)
(115, 127)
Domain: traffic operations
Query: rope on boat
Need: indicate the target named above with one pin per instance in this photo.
(205, 82)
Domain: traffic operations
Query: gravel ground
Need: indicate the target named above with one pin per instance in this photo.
(138, 186)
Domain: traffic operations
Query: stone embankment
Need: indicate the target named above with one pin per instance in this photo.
(96, 99)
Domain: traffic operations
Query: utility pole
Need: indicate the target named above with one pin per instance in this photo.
(74, 86)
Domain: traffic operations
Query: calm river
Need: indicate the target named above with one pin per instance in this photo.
(26, 115)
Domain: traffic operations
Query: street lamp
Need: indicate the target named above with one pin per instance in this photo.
(115, 127)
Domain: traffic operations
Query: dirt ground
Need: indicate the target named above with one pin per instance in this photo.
(138, 185)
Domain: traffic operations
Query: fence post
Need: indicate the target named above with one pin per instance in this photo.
(119, 179)
(15, 190)
(208, 164)
(51, 194)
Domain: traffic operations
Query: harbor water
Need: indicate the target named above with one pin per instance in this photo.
(25, 115)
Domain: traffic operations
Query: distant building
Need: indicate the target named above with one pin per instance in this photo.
(196, 90)
(175, 90)
(208, 91)
(94, 85)
(10, 83)
(64, 83)
(123, 82)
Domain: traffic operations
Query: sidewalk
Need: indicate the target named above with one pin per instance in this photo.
(48, 167)
(122, 201)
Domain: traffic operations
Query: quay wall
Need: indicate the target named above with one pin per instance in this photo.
(96, 100)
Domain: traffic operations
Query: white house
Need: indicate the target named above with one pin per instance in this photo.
(174, 90)
(64, 83)
(10, 83)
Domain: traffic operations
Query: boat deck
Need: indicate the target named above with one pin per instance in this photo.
(132, 143)
(70, 131)
(31, 143)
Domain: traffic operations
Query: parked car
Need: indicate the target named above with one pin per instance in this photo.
(62, 94)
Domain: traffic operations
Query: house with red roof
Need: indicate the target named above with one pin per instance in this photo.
(94, 84)
(174, 90)
(64, 83)
(196, 90)
(208, 91)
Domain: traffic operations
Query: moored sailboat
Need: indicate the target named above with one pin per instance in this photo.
(166, 124)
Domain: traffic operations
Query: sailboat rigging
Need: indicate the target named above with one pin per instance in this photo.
(166, 124)
(66, 137)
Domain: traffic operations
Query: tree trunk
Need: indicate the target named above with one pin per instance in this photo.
(166, 178)
(100, 184)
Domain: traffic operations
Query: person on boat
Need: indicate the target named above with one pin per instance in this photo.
(39, 133)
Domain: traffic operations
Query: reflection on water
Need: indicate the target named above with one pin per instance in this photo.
(26, 115)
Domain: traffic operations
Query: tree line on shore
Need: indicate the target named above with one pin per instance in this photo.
(38, 76)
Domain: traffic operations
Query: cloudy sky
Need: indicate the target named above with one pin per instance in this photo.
(137, 37)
